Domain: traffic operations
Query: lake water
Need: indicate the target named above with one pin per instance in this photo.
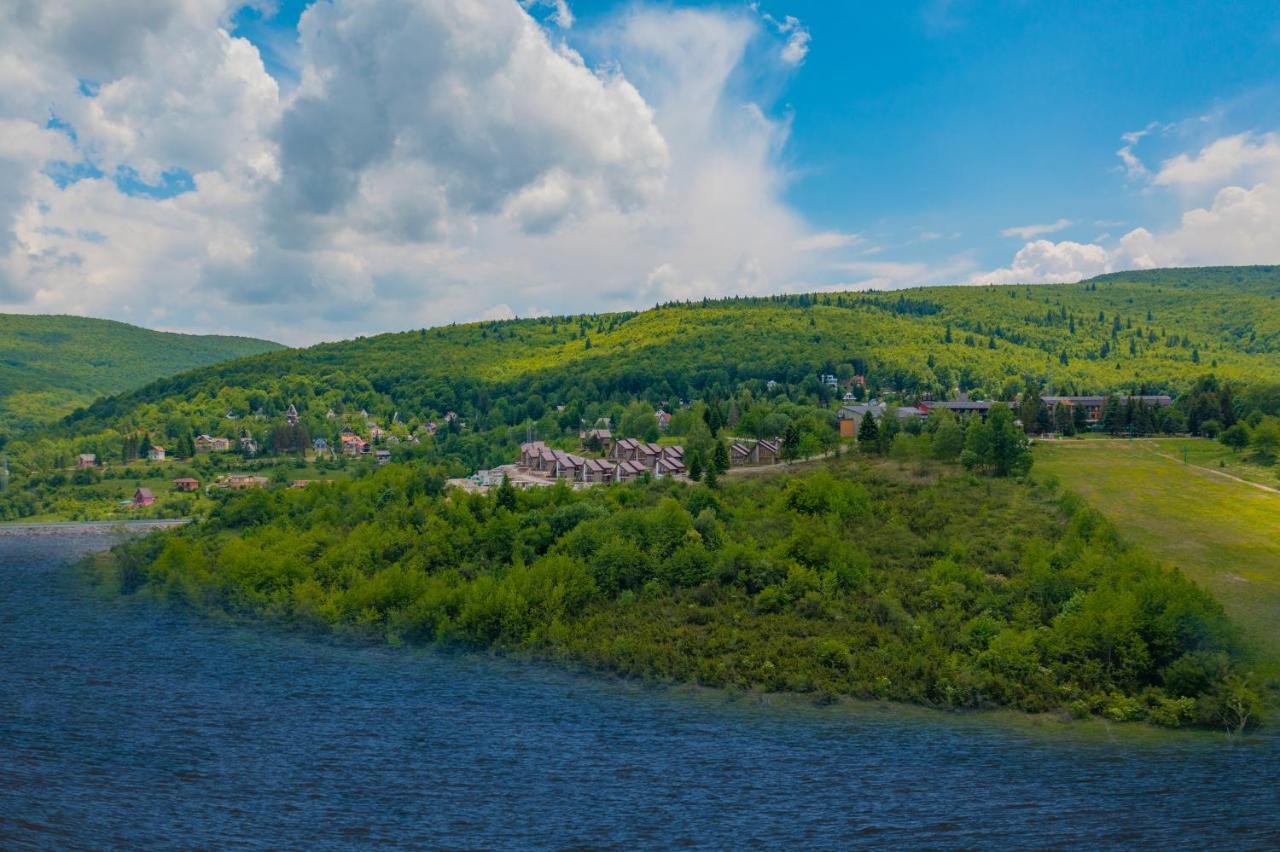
(124, 724)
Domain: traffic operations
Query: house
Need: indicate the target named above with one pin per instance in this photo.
(86, 460)
(910, 412)
(596, 470)
(850, 416)
(330, 414)
(300, 483)
(241, 481)
(248, 446)
(669, 466)
(593, 438)
(156, 454)
(291, 415)
(767, 451)
(1093, 405)
(567, 465)
(376, 433)
(625, 471)
(211, 444)
(143, 497)
(625, 449)
(353, 444)
(648, 454)
(829, 380)
(530, 453)
(186, 483)
(663, 418)
(321, 447)
(962, 405)
(740, 454)
(382, 456)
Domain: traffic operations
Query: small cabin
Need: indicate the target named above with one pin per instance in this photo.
(186, 483)
(156, 454)
(143, 497)
(86, 460)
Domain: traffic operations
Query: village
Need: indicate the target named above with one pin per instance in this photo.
(601, 457)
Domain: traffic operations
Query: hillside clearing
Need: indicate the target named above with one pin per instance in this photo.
(1224, 534)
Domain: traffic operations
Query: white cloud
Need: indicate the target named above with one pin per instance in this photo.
(1244, 155)
(561, 14)
(1235, 225)
(434, 161)
(828, 240)
(796, 46)
(1042, 262)
(1027, 232)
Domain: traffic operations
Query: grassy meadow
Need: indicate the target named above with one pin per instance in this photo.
(1223, 534)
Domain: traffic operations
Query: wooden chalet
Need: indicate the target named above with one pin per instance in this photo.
(596, 470)
(602, 438)
(143, 497)
(186, 483)
(567, 465)
(84, 461)
(669, 466)
(626, 449)
(767, 451)
(626, 471)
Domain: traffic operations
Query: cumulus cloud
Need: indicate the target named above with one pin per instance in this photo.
(434, 161)
(1026, 232)
(1234, 225)
(1042, 262)
(1231, 158)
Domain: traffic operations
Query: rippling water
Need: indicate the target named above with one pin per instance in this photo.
(128, 725)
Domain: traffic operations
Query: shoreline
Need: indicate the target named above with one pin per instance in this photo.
(58, 527)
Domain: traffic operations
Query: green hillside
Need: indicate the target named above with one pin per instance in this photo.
(49, 365)
(1157, 330)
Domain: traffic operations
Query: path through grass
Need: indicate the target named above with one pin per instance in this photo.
(1223, 534)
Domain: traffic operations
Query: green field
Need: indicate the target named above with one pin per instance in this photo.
(1222, 533)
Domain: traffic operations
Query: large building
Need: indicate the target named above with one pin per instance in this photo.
(1093, 405)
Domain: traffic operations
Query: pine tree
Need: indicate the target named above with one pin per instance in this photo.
(868, 433)
(720, 460)
(695, 467)
(506, 495)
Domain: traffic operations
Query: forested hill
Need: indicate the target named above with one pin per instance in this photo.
(1155, 330)
(49, 365)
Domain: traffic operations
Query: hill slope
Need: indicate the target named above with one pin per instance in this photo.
(1156, 330)
(51, 364)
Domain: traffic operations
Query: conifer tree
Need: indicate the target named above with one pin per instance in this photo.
(868, 433)
(720, 461)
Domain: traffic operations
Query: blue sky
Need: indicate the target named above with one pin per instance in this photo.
(308, 171)
(968, 118)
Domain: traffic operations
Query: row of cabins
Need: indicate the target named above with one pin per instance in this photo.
(628, 460)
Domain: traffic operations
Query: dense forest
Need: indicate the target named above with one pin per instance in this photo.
(49, 365)
(912, 581)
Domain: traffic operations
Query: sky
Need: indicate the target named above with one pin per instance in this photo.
(308, 171)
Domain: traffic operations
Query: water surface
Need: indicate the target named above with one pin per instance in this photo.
(126, 725)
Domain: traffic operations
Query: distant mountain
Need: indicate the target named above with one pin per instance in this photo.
(50, 365)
